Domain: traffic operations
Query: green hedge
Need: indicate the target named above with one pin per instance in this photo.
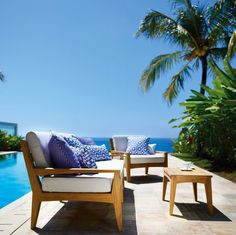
(9, 142)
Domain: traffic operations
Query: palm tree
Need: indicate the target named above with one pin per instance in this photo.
(199, 31)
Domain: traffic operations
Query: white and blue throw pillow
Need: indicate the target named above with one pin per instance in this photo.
(86, 161)
(61, 153)
(86, 140)
(98, 152)
(66, 156)
(138, 145)
(152, 148)
(73, 141)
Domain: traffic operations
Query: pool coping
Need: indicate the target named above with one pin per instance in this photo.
(8, 152)
(15, 203)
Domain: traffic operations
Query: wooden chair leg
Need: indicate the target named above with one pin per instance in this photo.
(35, 211)
(128, 177)
(118, 213)
(123, 188)
(117, 202)
(146, 170)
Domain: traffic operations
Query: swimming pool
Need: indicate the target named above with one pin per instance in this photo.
(14, 181)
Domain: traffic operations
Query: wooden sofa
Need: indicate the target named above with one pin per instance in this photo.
(52, 184)
(118, 146)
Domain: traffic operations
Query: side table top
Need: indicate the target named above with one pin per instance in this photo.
(177, 172)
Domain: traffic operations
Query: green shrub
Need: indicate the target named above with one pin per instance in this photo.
(9, 142)
(184, 143)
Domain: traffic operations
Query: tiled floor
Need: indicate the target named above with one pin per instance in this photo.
(144, 212)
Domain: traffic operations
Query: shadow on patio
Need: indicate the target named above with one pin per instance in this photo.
(198, 211)
(146, 179)
(91, 218)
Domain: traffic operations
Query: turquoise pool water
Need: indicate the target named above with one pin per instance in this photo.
(14, 181)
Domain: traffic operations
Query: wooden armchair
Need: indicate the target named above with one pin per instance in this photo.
(118, 145)
(104, 186)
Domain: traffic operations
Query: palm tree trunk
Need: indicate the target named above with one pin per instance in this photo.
(204, 73)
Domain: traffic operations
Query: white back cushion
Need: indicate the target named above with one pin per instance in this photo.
(120, 142)
(38, 145)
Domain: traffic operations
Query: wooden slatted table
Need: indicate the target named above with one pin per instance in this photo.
(197, 175)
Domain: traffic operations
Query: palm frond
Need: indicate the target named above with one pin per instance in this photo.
(180, 3)
(221, 21)
(158, 65)
(194, 22)
(177, 83)
(2, 77)
(218, 53)
(157, 25)
(220, 74)
(230, 53)
(196, 64)
(232, 46)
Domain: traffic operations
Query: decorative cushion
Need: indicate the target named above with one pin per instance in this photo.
(152, 148)
(98, 153)
(84, 157)
(86, 161)
(73, 141)
(62, 154)
(138, 145)
(86, 141)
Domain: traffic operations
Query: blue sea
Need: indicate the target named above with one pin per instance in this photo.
(14, 179)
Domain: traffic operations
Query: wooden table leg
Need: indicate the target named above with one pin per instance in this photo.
(209, 196)
(195, 191)
(165, 180)
(172, 194)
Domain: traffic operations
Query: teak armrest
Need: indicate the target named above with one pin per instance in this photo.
(118, 152)
(61, 171)
(121, 154)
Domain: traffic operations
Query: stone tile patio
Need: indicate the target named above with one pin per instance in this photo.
(144, 212)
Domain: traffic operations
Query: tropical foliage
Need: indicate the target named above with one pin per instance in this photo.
(199, 31)
(211, 120)
(9, 142)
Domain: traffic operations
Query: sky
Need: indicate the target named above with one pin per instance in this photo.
(74, 66)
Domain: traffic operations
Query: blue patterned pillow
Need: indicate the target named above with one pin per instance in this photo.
(86, 141)
(138, 145)
(73, 141)
(62, 154)
(84, 157)
(98, 153)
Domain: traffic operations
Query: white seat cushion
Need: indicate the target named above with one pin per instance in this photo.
(96, 183)
(154, 158)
